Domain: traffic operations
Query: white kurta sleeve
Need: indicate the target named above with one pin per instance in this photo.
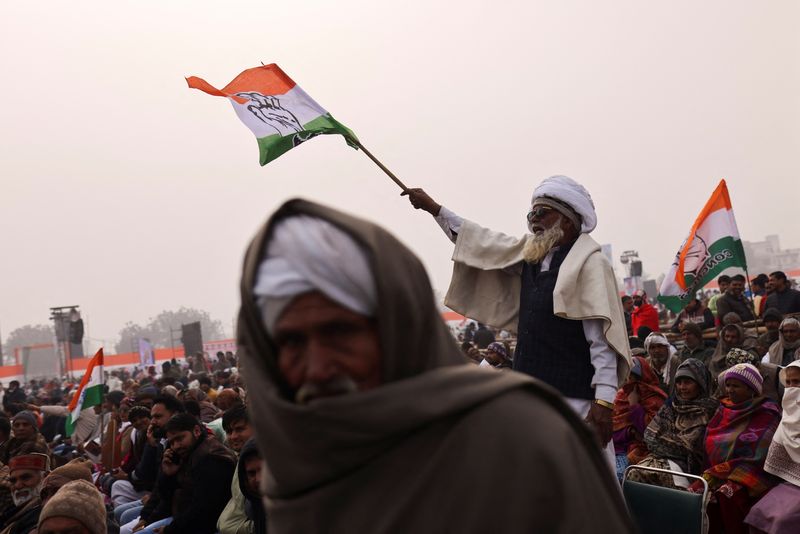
(449, 222)
(604, 361)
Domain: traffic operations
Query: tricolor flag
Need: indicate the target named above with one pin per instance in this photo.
(713, 245)
(277, 110)
(89, 392)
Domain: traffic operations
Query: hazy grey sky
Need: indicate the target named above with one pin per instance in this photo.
(127, 193)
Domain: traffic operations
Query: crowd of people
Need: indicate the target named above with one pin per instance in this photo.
(350, 408)
(168, 451)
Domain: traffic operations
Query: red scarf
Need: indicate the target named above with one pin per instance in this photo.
(651, 398)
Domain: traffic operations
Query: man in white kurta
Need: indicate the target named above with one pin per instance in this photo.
(554, 287)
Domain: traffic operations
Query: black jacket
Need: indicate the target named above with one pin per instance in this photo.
(740, 306)
(197, 494)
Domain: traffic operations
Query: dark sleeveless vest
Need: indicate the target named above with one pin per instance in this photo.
(550, 348)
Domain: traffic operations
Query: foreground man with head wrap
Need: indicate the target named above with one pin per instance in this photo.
(555, 288)
(368, 416)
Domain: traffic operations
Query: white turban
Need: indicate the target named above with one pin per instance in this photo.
(308, 254)
(572, 193)
(655, 339)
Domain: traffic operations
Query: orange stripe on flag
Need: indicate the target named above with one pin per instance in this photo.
(720, 200)
(97, 360)
(266, 79)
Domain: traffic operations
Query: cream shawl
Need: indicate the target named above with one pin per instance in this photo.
(486, 285)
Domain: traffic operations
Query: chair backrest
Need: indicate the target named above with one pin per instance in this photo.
(659, 510)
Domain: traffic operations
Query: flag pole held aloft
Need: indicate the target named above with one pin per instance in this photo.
(383, 167)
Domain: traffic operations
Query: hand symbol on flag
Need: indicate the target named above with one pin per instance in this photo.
(269, 102)
(268, 109)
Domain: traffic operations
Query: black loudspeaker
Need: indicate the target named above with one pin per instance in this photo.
(76, 332)
(192, 338)
(636, 268)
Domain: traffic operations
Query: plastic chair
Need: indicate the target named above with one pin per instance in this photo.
(659, 510)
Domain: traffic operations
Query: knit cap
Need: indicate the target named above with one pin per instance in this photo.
(28, 416)
(74, 470)
(747, 374)
(77, 500)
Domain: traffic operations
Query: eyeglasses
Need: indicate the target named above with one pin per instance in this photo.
(538, 212)
(789, 331)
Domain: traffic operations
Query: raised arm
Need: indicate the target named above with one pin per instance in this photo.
(447, 220)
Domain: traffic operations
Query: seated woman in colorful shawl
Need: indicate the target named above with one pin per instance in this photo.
(675, 435)
(779, 510)
(736, 443)
(634, 407)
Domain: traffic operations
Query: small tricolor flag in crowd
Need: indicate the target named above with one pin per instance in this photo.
(89, 392)
(277, 110)
(713, 245)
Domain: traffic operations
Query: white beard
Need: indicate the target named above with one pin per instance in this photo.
(20, 497)
(540, 244)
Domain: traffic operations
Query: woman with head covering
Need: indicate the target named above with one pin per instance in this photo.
(675, 436)
(635, 406)
(784, 351)
(779, 510)
(737, 440)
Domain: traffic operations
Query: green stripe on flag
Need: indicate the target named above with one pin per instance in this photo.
(274, 146)
(722, 254)
(93, 396)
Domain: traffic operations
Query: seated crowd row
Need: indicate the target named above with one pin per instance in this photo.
(716, 412)
(157, 457)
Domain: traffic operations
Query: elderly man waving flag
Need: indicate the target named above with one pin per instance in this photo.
(554, 287)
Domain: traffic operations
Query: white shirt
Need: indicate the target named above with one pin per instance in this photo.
(604, 359)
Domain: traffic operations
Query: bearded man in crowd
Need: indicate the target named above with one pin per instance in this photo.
(661, 356)
(368, 411)
(26, 476)
(555, 288)
(784, 351)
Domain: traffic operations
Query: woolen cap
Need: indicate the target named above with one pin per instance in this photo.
(34, 461)
(28, 416)
(747, 374)
(78, 500)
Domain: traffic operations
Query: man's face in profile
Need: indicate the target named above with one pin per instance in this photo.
(627, 305)
(325, 349)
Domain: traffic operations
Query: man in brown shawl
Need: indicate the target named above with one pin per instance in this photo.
(369, 417)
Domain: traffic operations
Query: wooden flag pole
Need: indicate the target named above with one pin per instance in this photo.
(752, 298)
(377, 162)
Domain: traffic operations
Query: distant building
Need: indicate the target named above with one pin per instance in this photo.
(766, 256)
